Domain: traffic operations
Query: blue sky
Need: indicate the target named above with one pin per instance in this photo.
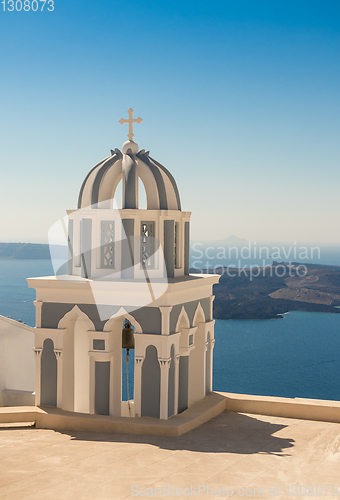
(240, 101)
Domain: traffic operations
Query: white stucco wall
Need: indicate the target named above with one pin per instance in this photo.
(17, 364)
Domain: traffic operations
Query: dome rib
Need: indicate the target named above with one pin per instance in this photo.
(172, 180)
(163, 200)
(80, 197)
(100, 174)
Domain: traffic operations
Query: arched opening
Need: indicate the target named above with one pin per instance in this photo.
(151, 384)
(197, 360)
(142, 198)
(48, 395)
(122, 371)
(102, 388)
(118, 195)
(128, 375)
(171, 389)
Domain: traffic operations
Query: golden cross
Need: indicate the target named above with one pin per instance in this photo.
(130, 121)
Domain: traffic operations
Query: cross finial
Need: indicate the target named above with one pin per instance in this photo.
(130, 121)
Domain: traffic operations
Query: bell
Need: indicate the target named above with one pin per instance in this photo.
(128, 341)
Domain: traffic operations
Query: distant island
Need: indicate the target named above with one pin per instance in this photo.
(30, 251)
(239, 295)
(269, 295)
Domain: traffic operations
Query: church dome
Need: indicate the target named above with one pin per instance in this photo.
(100, 184)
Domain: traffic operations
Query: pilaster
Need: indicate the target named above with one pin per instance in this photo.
(112, 407)
(177, 356)
(59, 355)
(165, 365)
(37, 355)
(138, 385)
(210, 375)
(212, 298)
(38, 305)
(165, 312)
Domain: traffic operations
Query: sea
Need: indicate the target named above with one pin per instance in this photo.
(296, 357)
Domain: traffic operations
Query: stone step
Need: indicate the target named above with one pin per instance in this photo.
(16, 425)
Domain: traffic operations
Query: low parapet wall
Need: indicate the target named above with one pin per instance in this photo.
(304, 409)
(54, 418)
(211, 406)
(17, 363)
(16, 398)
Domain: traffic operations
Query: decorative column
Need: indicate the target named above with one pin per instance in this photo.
(177, 356)
(38, 304)
(59, 355)
(165, 311)
(37, 354)
(138, 385)
(165, 365)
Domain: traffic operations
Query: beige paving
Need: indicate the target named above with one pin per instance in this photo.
(235, 454)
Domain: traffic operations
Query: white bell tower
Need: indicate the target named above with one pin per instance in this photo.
(125, 264)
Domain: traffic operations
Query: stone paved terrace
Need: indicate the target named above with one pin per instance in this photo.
(233, 450)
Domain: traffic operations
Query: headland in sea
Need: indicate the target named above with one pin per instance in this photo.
(271, 291)
(293, 357)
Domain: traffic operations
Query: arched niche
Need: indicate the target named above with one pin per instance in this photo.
(73, 315)
(151, 384)
(48, 395)
(199, 316)
(102, 388)
(182, 321)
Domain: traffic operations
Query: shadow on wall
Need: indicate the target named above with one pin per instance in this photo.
(227, 433)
